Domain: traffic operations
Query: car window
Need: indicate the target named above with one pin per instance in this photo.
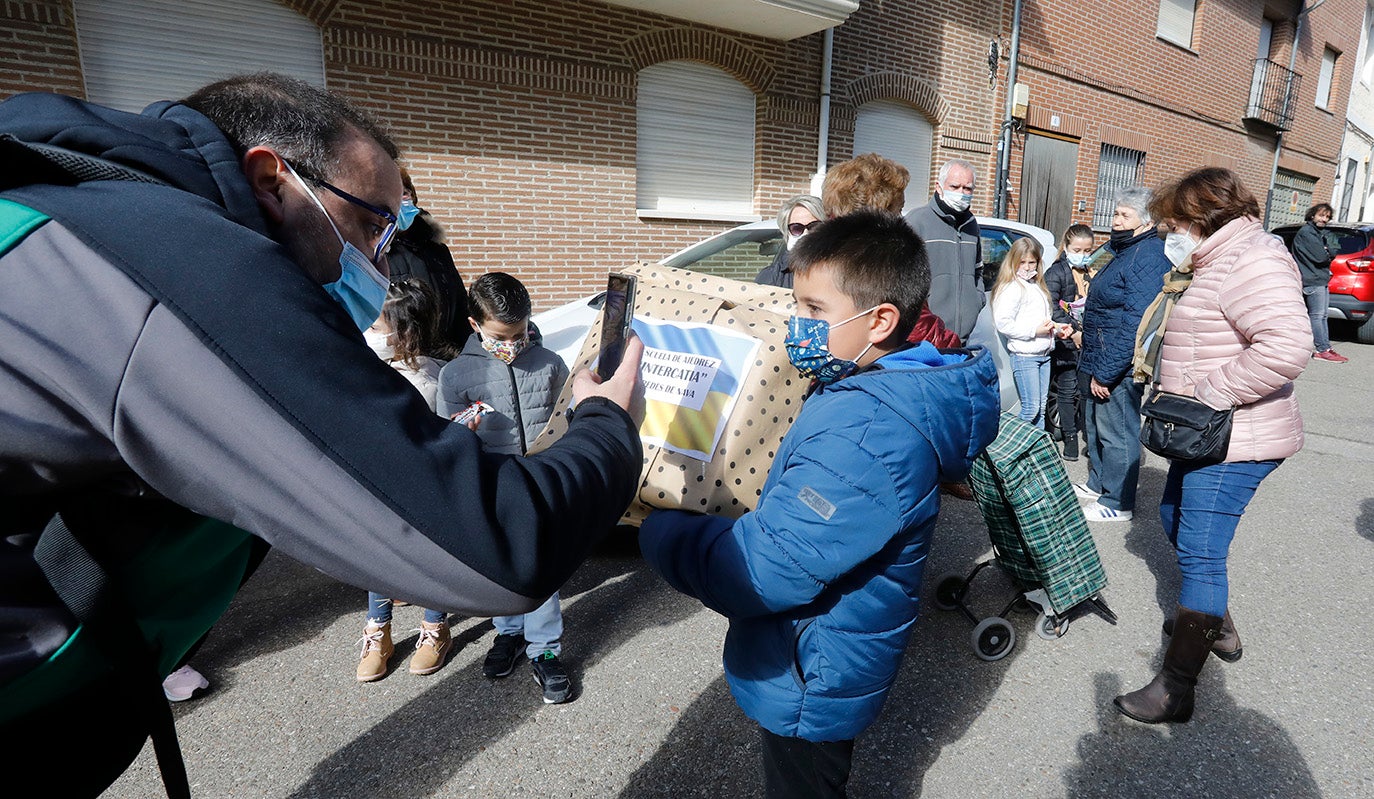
(1101, 256)
(996, 242)
(738, 259)
(1352, 241)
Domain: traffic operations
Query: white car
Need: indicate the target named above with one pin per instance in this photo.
(742, 251)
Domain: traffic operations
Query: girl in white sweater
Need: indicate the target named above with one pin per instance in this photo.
(1021, 312)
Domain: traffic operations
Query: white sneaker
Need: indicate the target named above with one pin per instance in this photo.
(1083, 492)
(1097, 512)
(183, 683)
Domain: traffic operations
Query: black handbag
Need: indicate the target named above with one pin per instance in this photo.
(1184, 429)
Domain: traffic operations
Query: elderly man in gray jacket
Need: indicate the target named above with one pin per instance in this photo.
(951, 236)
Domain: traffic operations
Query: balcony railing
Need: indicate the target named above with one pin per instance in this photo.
(1273, 94)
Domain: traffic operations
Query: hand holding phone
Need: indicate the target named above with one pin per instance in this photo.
(472, 412)
(617, 318)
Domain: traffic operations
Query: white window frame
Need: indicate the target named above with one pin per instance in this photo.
(1367, 47)
(134, 52)
(1177, 22)
(694, 153)
(898, 131)
(1326, 77)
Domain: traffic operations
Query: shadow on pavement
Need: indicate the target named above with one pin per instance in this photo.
(1146, 540)
(1364, 523)
(941, 689)
(598, 624)
(1225, 752)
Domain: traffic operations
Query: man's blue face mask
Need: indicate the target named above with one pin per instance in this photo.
(406, 215)
(360, 289)
(808, 349)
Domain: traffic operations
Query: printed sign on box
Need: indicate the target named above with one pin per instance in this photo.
(692, 375)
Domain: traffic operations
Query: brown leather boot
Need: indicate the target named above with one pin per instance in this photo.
(1169, 696)
(1227, 647)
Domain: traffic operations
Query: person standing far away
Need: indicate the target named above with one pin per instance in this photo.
(1067, 282)
(419, 251)
(1313, 250)
(1120, 293)
(951, 234)
(797, 216)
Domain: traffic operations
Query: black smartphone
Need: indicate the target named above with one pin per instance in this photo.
(617, 314)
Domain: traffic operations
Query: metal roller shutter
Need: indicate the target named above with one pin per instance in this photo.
(695, 152)
(134, 52)
(897, 131)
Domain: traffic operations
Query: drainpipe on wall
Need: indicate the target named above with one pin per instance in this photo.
(823, 133)
(1004, 137)
(1278, 138)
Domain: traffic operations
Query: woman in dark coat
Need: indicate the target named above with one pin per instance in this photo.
(1067, 280)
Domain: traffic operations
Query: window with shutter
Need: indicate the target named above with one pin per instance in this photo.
(694, 156)
(1117, 168)
(897, 131)
(1176, 19)
(1324, 78)
(134, 52)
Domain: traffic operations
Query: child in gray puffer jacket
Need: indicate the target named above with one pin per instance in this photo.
(506, 366)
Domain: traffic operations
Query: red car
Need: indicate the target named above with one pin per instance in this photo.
(1352, 275)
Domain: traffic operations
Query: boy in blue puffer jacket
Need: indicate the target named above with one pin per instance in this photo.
(822, 581)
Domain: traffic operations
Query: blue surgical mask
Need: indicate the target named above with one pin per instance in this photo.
(1077, 258)
(407, 214)
(808, 349)
(360, 289)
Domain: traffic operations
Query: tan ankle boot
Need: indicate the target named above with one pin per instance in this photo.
(377, 650)
(431, 649)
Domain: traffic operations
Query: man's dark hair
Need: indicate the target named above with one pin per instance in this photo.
(874, 257)
(499, 296)
(302, 123)
(1318, 208)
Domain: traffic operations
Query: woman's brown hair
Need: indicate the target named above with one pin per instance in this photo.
(1208, 197)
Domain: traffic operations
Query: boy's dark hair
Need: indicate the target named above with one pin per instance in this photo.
(304, 124)
(499, 296)
(875, 257)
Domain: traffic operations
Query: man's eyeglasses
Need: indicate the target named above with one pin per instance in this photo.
(384, 243)
(797, 228)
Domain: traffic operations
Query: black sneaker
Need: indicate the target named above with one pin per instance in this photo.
(504, 654)
(552, 677)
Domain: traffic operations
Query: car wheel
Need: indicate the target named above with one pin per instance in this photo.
(1365, 332)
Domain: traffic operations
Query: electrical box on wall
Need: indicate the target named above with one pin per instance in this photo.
(1020, 98)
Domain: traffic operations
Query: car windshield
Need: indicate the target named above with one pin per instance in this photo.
(737, 254)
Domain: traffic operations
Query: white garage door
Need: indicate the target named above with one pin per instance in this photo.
(134, 52)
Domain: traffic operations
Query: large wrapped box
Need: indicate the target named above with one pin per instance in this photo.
(720, 392)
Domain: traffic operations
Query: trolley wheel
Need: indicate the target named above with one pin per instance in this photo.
(949, 591)
(993, 638)
(1044, 627)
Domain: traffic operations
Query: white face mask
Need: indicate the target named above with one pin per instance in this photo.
(1179, 245)
(1027, 273)
(1077, 258)
(956, 200)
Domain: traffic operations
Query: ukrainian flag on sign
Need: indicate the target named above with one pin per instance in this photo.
(692, 376)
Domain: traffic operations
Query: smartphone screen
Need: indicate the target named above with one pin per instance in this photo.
(616, 316)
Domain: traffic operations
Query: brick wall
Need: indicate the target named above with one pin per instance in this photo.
(518, 116)
(1109, 78)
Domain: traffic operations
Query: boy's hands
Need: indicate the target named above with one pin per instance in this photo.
(624, 388)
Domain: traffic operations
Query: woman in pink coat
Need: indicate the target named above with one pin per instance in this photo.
(1237, 339)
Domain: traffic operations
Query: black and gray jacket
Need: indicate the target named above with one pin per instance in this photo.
(156, 342)
(522, 393)
(956, 260)
(1312, 249)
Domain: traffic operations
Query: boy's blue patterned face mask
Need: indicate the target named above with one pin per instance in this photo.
(808, 348)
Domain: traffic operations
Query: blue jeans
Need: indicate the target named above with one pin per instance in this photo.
(542, 627)
(1199, 512)
(1113, 429)
(1032, 376)
(379, 610)
(1318, 299)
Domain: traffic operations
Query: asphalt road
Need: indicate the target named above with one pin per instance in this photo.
(652, 715)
